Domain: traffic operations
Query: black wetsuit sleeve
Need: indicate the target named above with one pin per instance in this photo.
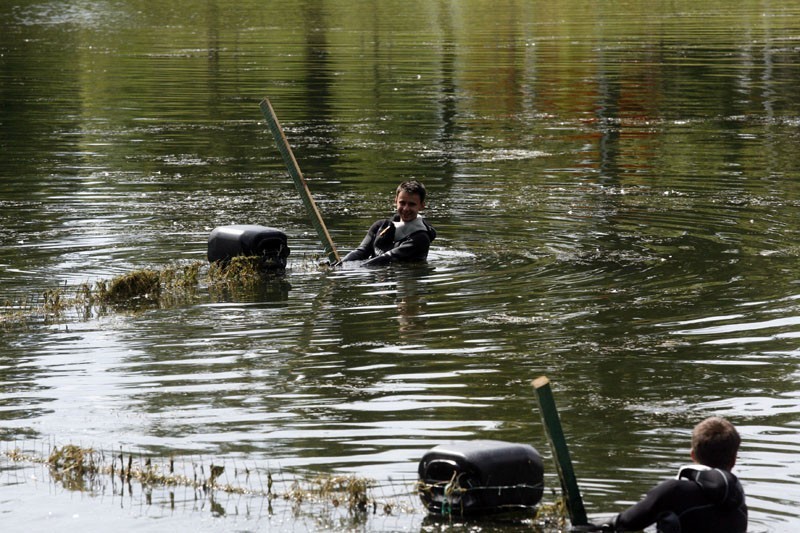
(657, 502)
(413, 248)
(365, 250)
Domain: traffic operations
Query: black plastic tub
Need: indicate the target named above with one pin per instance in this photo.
(480, 477)
(269, 244)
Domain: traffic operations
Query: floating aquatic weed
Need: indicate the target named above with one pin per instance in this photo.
(11, 314)
(333, 499)
(240, 277)
(139, 284)
(179, 283)
(353, 489)
(170, 285)
(552, 515)
(314, 262)
(44, 306)
(73, 466)
(181, 277)
(240, 271)
(83, 295)
(77, 467)
(54, 302)
(245, 277)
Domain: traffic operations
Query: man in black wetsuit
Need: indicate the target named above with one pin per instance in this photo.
(704, 498)
(404, 237)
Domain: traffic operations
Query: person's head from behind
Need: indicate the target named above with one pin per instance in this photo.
(410, 199)
(715, 443)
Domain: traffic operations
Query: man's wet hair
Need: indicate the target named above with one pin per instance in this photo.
(412, 187)
(715, 443)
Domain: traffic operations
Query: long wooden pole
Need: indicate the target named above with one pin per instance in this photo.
(299, 181)
(558, 445)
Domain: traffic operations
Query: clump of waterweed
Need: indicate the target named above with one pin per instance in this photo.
(79, 468)
(240, 271)
(73, 465)
(350, 490)
(246, 277)
(171, 285)
(552, 514)
(139, 284)
(181, 277)
(54, 301)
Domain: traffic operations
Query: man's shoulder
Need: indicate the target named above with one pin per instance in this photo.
(683, 485)
(382, 222)
(429, 229)
(673, 490)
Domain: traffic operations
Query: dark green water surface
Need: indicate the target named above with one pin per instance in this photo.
(616, 188)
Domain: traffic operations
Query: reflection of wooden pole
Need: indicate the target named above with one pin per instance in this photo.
(299, 181)
(558, 445)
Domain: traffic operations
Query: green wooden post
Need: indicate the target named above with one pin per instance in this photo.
(558, 445)
(299, 181)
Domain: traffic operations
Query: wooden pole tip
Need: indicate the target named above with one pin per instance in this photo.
(540, 382)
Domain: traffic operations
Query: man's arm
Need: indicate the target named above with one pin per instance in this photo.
(365, 249)
(413, 248)
(647, 511)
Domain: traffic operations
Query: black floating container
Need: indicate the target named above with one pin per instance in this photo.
(480, 477)
(269, 244)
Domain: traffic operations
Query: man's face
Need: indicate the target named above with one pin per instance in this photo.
(408, 205)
